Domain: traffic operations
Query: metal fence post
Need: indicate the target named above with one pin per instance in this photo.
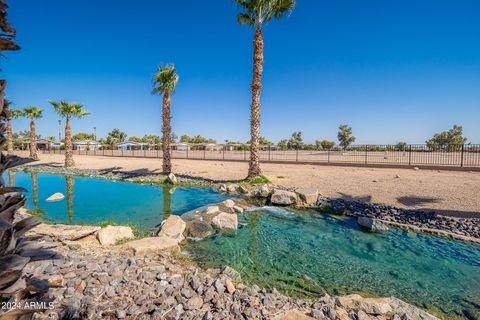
(461, 159)
(223, 152)
(269, 152)
(328, 155)
(410, 156)
(296, 155)
(204, 152)
(366, 153)
(187, 150)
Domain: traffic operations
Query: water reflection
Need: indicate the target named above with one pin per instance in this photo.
(69, 181)
(167, 201)
(34, 177)
(11, 178)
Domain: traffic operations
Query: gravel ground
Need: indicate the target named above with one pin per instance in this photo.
(450, 192)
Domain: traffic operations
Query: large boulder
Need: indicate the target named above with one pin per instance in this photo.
(57, 196)
(64, 231)
(372, 224)
(283, 197)
(109, 235)
(211, 210)
(229, 203)
(153, 245)
(308, 195)
(407, 311)
(200, 229)
(173, 227)
(225, 221)
(372, 306)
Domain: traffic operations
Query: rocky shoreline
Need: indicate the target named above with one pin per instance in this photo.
(95, 282)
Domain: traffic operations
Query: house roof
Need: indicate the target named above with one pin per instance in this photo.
(86, 142)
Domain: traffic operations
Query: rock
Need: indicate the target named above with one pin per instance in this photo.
(121, 314)
(408, 311)
(293, 315)
(229, 203)
(64, 231)
(283, 197)
(232, 188)
(371, 224)
(173, 227)
(153, 245)
(57, 196)
(109, 235)
(231, 273)
(171, 178)
(81, 287)
(222, 188)
(309, 196)
(219, 286)
(56, 281)
(243, 189)
(416, 168)
(230, 287)
(194, 303)
(238, 209)
(372, 306)
(211, 210)
(200, 229)
(225, 221)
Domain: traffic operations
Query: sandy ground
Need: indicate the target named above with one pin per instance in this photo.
(450, 192)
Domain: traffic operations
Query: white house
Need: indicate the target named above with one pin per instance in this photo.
(132, 145)
(84, 145)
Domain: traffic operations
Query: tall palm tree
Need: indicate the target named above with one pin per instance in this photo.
(33, 113)
(11, 114)
(164, 83)
(254, 14)
(68, 111)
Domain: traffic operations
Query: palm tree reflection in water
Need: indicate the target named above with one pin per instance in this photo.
(69, 180)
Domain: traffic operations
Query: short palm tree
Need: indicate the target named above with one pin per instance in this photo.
(33, 113)
(68, 111)
(11, 114)
(254, 14)
(164, 83)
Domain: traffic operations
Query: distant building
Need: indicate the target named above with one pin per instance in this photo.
(86, 145)
(132, 145)
(42, 144)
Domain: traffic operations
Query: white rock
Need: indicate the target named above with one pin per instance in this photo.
(57, 196)
(109, 235)
(173, 227)
(228, 221)
(309, 196)
(238, 209)
(171, 178)
(152, 245)
(211, 210)
(372, 224)
(283, 197)
(229, 203)
(372, 306)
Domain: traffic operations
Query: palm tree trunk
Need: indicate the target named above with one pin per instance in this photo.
(9, 137)
(254, 164)
(33, 141)
(166, 133)
(68, 145)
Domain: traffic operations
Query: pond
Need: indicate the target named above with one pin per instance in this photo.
(92, 201)
(305, 252)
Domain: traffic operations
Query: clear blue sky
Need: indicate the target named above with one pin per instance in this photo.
(393, 70)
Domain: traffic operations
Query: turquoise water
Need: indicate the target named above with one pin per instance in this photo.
(279, 248)
(92, 201)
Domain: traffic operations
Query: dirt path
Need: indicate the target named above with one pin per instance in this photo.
(452, 192)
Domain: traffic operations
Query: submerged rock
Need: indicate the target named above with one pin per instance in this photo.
(173, 227)
(200, 229)
(372, 224)
(225, 221)
(109, 235)
(283, 197)
(57, 196)
(372, 306)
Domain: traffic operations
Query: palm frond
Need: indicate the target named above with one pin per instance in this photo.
(165, 80)
(69, 110)
(32, 112)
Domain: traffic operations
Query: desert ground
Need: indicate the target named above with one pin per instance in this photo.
(456, 193)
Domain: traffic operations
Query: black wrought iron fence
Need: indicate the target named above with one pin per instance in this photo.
(467, 155)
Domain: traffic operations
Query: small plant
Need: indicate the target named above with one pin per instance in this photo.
(123, 241)
(280, 177)
(259, 180)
